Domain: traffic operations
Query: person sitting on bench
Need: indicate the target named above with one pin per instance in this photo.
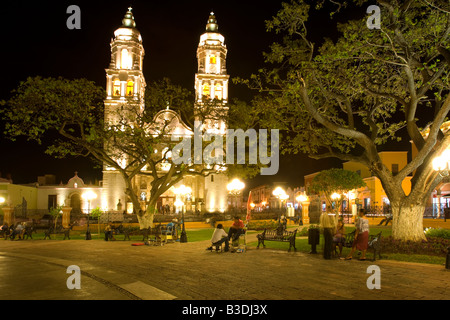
(219, 236)
(236, 229)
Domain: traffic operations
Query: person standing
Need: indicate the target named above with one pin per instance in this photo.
(328, 227)
(361, 241)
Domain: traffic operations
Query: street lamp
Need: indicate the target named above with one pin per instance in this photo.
(304, 200)
(182, 191)
(441, 163)
(336, 197)
(234, 188)
(280, 194)
(88, 196)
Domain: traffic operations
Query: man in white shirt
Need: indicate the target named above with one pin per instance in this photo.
(219, 236)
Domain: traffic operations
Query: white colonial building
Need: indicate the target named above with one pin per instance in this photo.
(125, 80)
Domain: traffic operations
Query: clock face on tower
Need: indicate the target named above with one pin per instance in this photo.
(212, 68)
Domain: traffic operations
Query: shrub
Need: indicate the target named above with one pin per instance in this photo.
(261, 225)
(433, 246)
(437, 233)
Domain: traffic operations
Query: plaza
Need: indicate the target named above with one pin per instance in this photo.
(116, 270)
(339, 92)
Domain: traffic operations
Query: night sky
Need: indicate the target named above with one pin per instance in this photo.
(36, 41)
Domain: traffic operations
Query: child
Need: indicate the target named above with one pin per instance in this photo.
(219, 236)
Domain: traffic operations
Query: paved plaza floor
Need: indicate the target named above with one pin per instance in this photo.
(116, 270)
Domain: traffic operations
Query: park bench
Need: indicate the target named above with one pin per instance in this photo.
(11, 233)
(58, 230)
(277, 235)
(374, 242)
(153, 235)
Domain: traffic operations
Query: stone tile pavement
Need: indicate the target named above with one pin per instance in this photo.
(115, 270)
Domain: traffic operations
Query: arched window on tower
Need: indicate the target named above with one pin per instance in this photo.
(130, 88)
(218, 91)
(116, 88)
(206, 90)
(212, 59)
(125, 59)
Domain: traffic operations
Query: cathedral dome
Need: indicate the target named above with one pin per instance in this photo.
(75, 182)
(212, 25)
(128, 20)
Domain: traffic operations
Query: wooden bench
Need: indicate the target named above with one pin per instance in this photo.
(277, 235)
(11, 233)
(374, 242)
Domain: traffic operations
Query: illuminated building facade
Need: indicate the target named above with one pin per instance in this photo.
(125, 82)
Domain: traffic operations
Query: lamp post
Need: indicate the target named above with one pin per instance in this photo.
(281, 195)
(336, 197)
(304, 200)
(182, 191)
(234, 188)
(441, 163)
(88, 196)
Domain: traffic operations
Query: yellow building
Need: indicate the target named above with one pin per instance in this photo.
(373, 195)
(20, 197)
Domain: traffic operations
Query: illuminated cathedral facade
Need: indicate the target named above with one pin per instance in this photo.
(125, 80)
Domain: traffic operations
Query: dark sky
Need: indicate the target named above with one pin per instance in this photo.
(36, 41)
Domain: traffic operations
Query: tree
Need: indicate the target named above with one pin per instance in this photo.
(71, 114)
(350, 97)
(338, 181)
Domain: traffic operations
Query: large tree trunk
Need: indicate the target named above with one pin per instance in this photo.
(407, 222)
(146, 218)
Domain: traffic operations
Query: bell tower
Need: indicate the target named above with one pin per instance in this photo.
(125, 84)
(211, 79)
(211, 83)
(124, 77)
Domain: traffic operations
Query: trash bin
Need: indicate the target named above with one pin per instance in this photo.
(313, 238)
(446, 214)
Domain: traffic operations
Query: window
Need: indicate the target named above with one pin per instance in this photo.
(116, 88)
(130, 87)
(206, 90)
(218, 92)
(52, 201)
(125, 61)
(212, 178)
(212, 59)
(366, 203)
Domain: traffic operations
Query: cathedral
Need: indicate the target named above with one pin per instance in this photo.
(125, 80)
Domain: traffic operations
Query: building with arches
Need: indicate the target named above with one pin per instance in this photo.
(125, 82)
